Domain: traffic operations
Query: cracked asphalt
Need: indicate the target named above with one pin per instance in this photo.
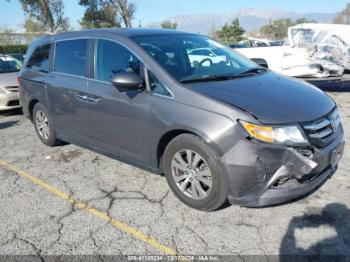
(35, 221)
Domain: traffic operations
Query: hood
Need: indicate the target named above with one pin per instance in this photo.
(272, 98)
(8, 79)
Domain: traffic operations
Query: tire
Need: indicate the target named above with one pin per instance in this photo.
(41, 125)
(207, 196)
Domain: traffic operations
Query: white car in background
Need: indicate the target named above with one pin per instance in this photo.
(314, 50)
(205, 57)
(9, 68)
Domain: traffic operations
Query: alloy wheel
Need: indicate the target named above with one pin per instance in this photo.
(191, 174)
(42, 124)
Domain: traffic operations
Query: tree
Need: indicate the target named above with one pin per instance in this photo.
(278, 29)
(107, 13)
(49, 12)
(32, 26)
(168, 24)
(126, 11)
(99, 14)
(344, 16)
(6, 35)
(304, 20)
(33, 29)
(231, 33)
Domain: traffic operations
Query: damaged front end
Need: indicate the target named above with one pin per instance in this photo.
(262, 174)
(295, 169)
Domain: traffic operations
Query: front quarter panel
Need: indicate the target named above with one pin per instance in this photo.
(219, 130)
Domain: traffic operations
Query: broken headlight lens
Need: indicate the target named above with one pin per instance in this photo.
(283, 135)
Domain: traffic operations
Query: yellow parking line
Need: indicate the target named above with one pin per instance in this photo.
(102, 215)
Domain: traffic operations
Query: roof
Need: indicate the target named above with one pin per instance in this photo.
(129, 32)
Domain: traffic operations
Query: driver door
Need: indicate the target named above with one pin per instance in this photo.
(120, 121)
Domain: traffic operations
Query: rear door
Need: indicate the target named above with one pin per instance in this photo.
(67, 89)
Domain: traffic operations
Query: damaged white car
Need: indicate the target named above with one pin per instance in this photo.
(314, 50)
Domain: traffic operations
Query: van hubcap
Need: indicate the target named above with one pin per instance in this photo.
(191, 174)
(42, 124)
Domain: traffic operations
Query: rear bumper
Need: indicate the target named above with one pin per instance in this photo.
(9, 101)
(263, 175)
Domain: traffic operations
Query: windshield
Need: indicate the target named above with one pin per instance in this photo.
(9, 64)
(187, 57)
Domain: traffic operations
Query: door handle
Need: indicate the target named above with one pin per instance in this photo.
(94, 100)
(81, 97)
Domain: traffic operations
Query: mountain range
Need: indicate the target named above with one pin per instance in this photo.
(251, 19)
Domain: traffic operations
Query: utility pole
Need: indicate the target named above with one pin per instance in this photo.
(178, 12)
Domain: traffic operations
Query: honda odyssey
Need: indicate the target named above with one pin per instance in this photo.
(220, 130)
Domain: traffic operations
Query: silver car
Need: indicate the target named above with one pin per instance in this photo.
(9, 68)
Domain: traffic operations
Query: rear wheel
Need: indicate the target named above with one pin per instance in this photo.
(193, 173)
(44, 126)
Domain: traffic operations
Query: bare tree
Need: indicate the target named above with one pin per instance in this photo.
(125, 10)
(33, 29)
(6, 35)
(49, 12)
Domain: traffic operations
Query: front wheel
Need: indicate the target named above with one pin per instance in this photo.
(193, 173)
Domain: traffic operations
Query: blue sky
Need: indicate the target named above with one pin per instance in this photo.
(149, 11)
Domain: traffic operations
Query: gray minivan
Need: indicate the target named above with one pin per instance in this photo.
(219, 127)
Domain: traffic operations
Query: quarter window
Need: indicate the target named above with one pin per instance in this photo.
(112, 58)
(70, 57)
(39, 60)
(156, 86)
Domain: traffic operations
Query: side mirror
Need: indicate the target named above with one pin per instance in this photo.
(261, 62)
(125, 81)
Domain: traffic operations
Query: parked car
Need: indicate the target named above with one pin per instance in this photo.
(312, 51)
(229, 131)
(201, 57)
(17, 56)
(9, 68)
(235, 46)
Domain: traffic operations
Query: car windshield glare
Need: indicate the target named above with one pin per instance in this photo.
(193, 57)
(9, 64)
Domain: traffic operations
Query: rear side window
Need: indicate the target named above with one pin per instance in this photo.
(39, 60)
(70, 57)
(112, 58)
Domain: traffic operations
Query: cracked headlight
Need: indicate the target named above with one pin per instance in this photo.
(283, 135)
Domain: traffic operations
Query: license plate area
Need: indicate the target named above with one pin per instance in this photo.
(337, 155)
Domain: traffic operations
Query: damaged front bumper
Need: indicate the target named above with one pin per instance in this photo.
(263, 174)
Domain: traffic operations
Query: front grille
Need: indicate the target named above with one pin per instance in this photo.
(322, 131)
(13, 89)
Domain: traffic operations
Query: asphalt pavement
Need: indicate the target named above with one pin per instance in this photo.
(70, 201)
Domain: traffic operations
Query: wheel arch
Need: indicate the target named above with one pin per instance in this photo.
(31, 105)
(168, 136)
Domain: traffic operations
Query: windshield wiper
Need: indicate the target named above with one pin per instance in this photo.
(252, 71)
(207, 79)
